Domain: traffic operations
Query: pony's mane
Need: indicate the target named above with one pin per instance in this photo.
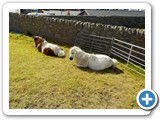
(77, 48)
(38, 37)
(81, 58)
(38, 40)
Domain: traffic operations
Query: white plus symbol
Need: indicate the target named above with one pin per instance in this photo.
(147, 99)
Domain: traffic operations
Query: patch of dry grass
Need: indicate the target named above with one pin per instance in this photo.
(39, 81)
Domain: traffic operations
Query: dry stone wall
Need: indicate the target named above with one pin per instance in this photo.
(63, 31)
(131, 22)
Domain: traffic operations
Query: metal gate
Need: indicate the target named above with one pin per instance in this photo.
(133, 55)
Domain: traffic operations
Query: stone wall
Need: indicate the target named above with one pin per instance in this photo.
(131, 22)
(64, 31)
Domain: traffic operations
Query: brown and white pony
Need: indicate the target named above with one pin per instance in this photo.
(48, 48)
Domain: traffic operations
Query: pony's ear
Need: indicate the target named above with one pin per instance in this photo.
(78, 46)
(36, 37)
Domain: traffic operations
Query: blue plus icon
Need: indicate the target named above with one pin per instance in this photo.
(147, 99)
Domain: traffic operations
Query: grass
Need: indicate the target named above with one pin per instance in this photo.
(38, 81)
(135, 67)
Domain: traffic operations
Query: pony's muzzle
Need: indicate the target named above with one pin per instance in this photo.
(71, 58)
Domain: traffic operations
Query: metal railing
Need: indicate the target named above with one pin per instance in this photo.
(133, 55)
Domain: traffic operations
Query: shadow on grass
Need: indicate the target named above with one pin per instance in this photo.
(109, 70)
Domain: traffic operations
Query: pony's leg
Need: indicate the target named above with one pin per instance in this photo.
(80, 65)
(48, 51)
(39, 47)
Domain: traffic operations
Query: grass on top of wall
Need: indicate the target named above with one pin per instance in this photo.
(37, 81)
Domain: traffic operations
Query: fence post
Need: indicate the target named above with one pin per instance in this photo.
(112, 40)
(129, 55)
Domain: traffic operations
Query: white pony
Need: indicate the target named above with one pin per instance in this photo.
(92, 61)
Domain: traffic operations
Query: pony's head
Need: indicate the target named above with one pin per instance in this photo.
(73, 51)
(38, 40)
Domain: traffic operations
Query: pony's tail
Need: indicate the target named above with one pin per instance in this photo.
(114, 65)
(61, 53)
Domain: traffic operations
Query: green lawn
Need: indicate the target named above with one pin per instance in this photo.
(40, 81)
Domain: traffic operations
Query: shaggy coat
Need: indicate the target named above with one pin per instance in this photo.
(48, 48)
(92, 61)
